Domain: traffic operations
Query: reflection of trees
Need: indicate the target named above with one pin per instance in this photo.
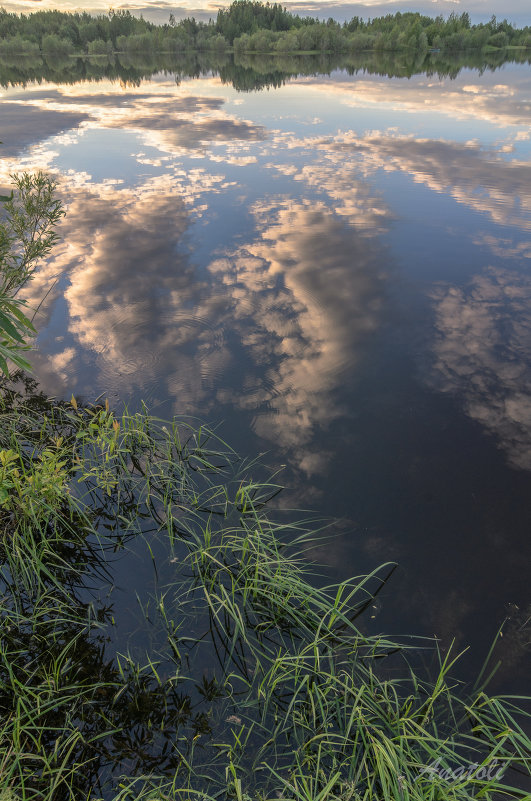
(443, 65)
(248, 79)
(253, 71)
(249, 71)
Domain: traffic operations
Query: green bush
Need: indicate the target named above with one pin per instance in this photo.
(499, 39)
(26, 235)
(262, 41)
(217, 42)
(173, 44)
(287, 42)
(55, 47)
(99, 47)
(138, 43)
(16, 46)
(242, 43)
(361, 41)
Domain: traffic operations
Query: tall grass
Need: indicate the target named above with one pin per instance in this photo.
(262, 686)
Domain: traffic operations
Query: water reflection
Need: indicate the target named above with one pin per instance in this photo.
(308, 294)
(249, 72)
(498, 97)
(481, 179)
(23, 125)
(302, 298)
(483, 355)
(134, 298)
(282, 262)
(90, 707)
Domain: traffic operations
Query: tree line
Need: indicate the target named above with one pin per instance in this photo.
(245, 26)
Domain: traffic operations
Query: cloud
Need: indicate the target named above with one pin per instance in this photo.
(24, 125)
(296, 304)
(505, 248)
(135, 302)
(171, 119)
(482, 355)
(158, 10)
(490, 100)
(308, 295)
(479, 9)
(302, 296)
(193, 134)
(481, 179)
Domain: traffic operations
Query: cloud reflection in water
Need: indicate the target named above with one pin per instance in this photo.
(309, 293)
(301, 299)
(483, 355)
(306, 291)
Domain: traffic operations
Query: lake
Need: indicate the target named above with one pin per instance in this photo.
(331, 268)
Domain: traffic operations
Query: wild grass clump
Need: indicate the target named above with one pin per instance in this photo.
(72, 715)
(321, 710)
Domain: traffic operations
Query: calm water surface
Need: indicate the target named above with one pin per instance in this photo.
(336, 272)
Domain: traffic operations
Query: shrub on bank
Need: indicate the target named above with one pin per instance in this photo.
(55, 47)
(99, 47)
(15, 46)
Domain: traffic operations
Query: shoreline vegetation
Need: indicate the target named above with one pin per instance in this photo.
(248, 27)
(253, 683)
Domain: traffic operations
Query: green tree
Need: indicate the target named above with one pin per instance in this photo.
(88, 32)
(59, 34)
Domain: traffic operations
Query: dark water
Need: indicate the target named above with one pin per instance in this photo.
(335, 272)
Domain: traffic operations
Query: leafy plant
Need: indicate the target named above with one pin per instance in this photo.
(32, 492)
(27, 234)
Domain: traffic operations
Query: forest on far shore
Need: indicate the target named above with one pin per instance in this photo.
(246, 26)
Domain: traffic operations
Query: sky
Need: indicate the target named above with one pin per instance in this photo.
(517, 11)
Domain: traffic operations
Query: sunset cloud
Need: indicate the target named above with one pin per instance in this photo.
(159, 10)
